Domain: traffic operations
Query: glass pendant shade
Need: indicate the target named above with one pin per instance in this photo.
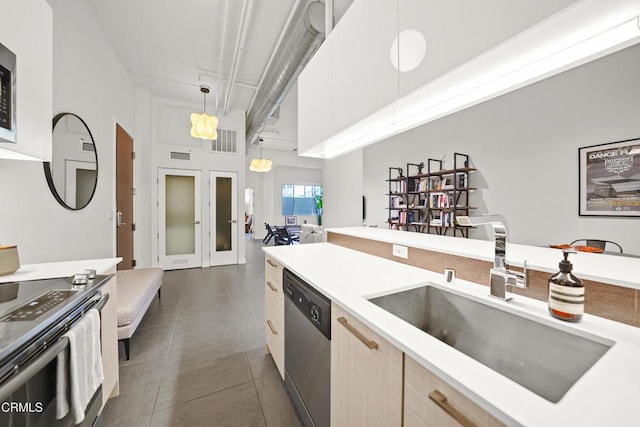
(260, 165)
(204, 126)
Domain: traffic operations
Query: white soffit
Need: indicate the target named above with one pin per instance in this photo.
(585, 31)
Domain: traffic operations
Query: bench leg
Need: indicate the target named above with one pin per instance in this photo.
(159, 297)
(126, 348)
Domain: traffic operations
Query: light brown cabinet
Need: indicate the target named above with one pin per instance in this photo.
(274, 312)
(109, 337)
(429, 401)
(366, 375)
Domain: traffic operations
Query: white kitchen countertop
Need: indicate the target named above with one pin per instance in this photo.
(607, 394)
(49, 270)
(613, 269)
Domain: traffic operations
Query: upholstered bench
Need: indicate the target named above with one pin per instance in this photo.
(136, 290)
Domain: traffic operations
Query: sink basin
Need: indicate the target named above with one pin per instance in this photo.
(544, 359)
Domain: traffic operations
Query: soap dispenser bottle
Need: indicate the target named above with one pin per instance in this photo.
(566, 293)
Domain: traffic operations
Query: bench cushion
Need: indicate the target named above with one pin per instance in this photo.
(135, 289)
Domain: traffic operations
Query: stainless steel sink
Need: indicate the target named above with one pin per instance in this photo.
(544, 359)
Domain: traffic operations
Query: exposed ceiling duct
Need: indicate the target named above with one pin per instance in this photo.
(301, 39)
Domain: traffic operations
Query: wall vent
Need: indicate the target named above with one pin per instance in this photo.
(227, 142)
(176, 155)
(88, 146)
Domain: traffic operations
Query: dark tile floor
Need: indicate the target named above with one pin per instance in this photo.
(197, 358)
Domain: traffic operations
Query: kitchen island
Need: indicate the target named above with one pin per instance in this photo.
(605, 395)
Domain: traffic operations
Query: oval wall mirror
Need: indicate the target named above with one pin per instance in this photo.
(72, 174)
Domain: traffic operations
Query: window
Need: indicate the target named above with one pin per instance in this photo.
(300, 199)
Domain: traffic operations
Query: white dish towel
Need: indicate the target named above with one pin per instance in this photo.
(85, 367)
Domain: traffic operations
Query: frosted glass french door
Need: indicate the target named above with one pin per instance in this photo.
(224, 217)
(179, 219)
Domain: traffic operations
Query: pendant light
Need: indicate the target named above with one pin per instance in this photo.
(261, 164)
(204, 126)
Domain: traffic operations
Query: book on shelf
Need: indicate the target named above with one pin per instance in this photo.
(439, 201)
(437, 183)
(396, 202)
(444, 220)
(399, 187)
(421, 185)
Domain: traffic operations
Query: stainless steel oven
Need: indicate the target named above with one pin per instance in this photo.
(28, 370)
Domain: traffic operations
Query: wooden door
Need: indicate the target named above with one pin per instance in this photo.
(124, 198)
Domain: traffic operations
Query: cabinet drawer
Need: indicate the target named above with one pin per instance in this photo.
(274, 304)
(273, 271)
(429, 401)
(274, 339)
(366, 375)
(272, 293)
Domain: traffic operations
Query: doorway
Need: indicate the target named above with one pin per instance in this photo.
(179, 216)
(80, 178)
(223, 217)
(248, 212)
(124, 199)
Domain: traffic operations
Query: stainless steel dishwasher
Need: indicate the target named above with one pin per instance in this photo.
(307, 354)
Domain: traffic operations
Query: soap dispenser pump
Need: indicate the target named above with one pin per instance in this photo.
(566, 293)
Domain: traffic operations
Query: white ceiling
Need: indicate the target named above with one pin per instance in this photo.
(172, 47)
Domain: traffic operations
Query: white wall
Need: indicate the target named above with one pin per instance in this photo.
(342, 179)
(144, 181)
(88, 80)
(525, 146)
(170, 131)
(288, 168)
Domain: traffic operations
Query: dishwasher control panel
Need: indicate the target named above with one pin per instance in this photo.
(311, 303)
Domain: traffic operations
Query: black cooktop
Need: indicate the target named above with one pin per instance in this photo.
(30, 308)
(39, 306)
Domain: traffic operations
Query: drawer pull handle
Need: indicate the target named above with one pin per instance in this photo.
(371, 344)
(273, 288)
(272, 264)
(273, 330)
(441, 400)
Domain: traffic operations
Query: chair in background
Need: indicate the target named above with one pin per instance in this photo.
(270, 234)
(602, 244)
(284, 238)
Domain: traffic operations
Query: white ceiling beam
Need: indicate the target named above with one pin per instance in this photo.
(225, 16)
(328, 17)
(245, 19)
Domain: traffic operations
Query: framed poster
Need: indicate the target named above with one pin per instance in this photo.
(7, 95)
(290, 220)
(610, 179)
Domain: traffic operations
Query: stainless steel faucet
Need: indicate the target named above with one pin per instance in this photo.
(500, 275)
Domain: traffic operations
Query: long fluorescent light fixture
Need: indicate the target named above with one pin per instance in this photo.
(541, 52)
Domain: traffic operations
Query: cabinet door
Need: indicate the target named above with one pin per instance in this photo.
(315, 118)
(366, 375)
(457, 31)
(429, 401)
(109, 337)
(363, 78)
(274, 313)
